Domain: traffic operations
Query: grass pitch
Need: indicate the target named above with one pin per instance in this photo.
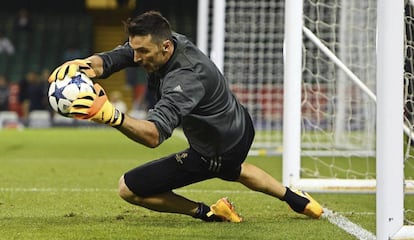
(62, 184)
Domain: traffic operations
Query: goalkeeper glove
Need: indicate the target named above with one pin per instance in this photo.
(70, 68)
(96, 107)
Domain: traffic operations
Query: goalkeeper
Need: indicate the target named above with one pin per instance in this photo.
(191, 93)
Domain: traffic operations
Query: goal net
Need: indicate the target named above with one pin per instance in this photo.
(338, 100)
(338, 115)
(338, 118)
(253, 63)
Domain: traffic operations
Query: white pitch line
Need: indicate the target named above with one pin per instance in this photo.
(53, 190)
(356, 213)
(334, 218)
(348, 226)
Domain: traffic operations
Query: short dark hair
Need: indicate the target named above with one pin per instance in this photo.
(151, 22)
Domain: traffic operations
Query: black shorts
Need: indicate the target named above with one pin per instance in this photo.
(187, 167)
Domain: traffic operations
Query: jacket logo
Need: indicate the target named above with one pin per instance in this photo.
(180, 156)
(178, 89)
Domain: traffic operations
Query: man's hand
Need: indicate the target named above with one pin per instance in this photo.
(96, 107)
(70, 68)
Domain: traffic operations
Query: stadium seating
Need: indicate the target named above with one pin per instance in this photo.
(43, 47)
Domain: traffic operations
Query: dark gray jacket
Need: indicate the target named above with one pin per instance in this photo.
(192, 93)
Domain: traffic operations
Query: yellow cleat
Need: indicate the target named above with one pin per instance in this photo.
(224, 209)
(313, 209)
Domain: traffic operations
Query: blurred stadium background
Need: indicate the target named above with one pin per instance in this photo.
(88, 26)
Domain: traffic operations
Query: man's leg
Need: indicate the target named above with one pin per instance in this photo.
(174, 203)
(258, 180)
(164, 202)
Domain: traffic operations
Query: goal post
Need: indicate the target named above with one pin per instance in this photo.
(292, 92)
(389, 157)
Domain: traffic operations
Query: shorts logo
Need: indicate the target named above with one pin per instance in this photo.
(214, 163)
(180, 156)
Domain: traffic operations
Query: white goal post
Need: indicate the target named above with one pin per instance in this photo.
(390, 157)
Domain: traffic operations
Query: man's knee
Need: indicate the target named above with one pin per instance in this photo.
(125, 193)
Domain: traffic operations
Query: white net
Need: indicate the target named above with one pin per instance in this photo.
(254, 64)
(338, 117)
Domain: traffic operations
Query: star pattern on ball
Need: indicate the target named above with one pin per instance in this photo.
(58, 93)
(77, 80)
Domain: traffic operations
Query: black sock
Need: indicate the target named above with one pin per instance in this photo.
(202, 211)
(295, 201)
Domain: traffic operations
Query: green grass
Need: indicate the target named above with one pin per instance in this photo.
(61, 184)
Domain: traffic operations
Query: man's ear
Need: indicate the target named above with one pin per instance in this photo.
(166, 45)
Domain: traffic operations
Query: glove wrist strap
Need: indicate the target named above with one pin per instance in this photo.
(117, 119)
